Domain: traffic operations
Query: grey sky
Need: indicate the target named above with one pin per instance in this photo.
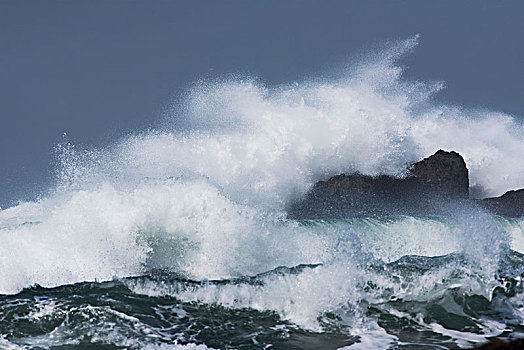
(100, 69)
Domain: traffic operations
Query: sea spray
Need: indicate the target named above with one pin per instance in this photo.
(263, 146)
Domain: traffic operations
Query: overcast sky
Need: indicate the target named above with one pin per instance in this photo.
(101, 69)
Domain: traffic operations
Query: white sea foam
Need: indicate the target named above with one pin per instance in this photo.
(373, 337)
(190, 228)
(176, 347)
(341, 283)
(307, 298)
(182, 226)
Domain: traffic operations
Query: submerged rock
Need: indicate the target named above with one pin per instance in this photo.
(431, 182)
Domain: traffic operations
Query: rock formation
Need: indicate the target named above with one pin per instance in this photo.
(444, 172)
(431, 185)
(430, 182)
(510, 203)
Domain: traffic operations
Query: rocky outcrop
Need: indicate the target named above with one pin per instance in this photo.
(431, 185)
(510, 203)
(444, 172)
(431, 182)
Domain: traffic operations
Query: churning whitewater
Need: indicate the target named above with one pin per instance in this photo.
(178, 237)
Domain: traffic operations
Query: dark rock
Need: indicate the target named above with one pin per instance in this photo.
(430, 182)
(446, 172)
(510, 203)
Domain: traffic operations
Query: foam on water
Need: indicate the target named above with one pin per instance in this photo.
(177, 347)
(187, 227)
(191, 228)
(353, 261)
(375, 338)
(338, 294)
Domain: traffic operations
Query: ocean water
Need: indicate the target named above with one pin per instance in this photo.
(177, 237)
